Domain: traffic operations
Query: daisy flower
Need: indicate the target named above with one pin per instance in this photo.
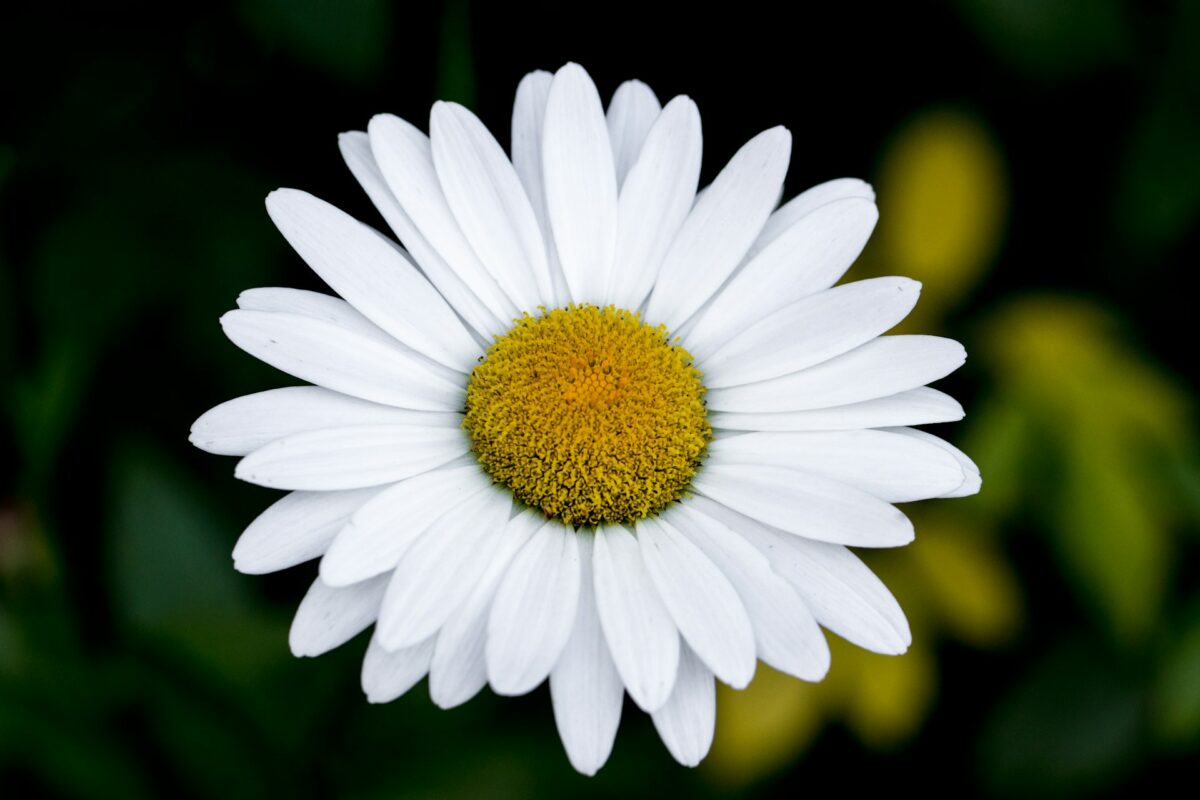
(586, 423)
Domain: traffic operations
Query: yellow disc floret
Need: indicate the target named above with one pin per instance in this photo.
(588, 414)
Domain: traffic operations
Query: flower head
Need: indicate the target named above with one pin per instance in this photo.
(586, 423)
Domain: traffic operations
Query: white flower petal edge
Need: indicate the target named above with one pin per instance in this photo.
(585, 685)
(533, 611)
(811, 408)
(687, 721)
(581, 183)
(638, 627)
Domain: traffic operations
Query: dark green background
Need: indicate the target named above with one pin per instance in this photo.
(137, 145)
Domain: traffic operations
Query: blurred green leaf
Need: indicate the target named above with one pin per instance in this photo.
(943, 186)
(7, 321)
(456, 69)
(44, 405)
(346, 37)
(1051, 38)
(1175, 702)
(1099, 421)
(1109, 531)
(1158, 201)
(1000, 435)
(169, 549)
(94, 266)
(1069, 728)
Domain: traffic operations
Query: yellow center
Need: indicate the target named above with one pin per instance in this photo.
(588, 414)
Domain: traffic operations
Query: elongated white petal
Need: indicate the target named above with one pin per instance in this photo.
(805, 504)
(318, 305)
(382, 529)
(441, 568)
(533, 611)
(807, 202)
(894, 468)
(638, 627)
(687, 720)
(387, 675)
(242, 425)
(879, 368)
(351, 458)
(842, 593)
(655, 200)
(405, 158)
(345, 361)
(297, 527)
(919, 406)
(633, 109)
(971, 483)
(329, 617)
(459, 668)
(806, 258)
(581, 184)
(528, 122)
(584, 684)
(705, 606)
(786, 633)
(490, 205)
(811, 331)
(356, 150)
(721, 227)
(373, 275)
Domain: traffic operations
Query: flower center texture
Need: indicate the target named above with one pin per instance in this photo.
(589, 414)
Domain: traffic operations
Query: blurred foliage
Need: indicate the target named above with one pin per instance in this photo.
(943, 189)
(1037, 169)
(349, 38)
(1052, 38)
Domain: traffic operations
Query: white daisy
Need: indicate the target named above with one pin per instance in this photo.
(588, 424)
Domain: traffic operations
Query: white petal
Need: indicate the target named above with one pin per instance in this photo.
(785, 631)
(581, 184)
(584, 685)
(687, 720)
(842, 593)
(534, 610)
(356, 150)
(353, 457)
(655, 200)
(807, 202)
(388, 674)
(343, 360)
(373, 275)
(306, 303)
(705, 606)
(329, 617)
(490, 204)
(811, 331)
(805, 504)
(459, 667)
(242, 425)
(879, 368)
(528, 122)
(972, 482)
(382, 529)
(721, 227)
(405, 158)
(897, 469)
(297, 527)
(912, 407)
(441, 568)
(641, 636)
(808, 257)
(630, 114)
